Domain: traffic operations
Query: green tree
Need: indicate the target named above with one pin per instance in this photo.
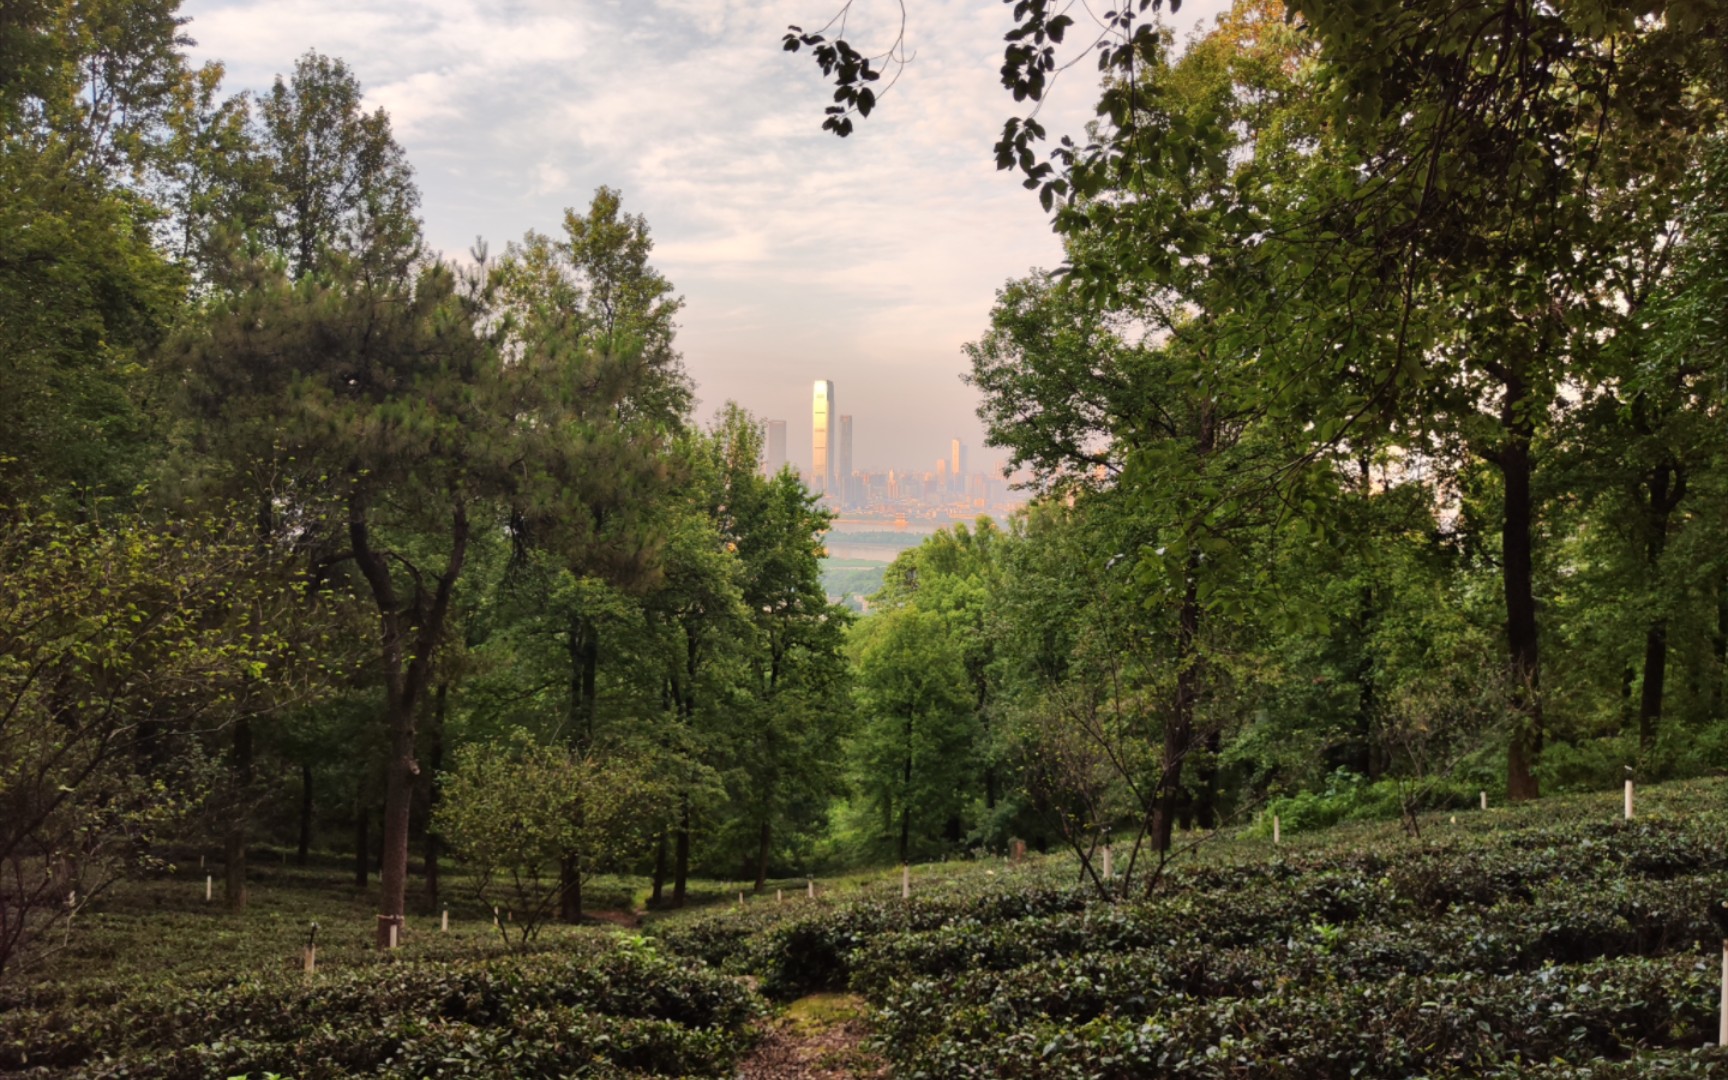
(337, 180)
(792, 694)
(518, 811)
(120, 647)
(913, 753)
(376, 424)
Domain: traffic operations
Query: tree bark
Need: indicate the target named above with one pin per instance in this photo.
(681, 857)
(762, 843)
(362, 839)
(409, 636)
(1179, 731)
(305, 846)
(435, 758)
(1518, 581)
(570, 882)
(401, 770)
(1665, 489)
(570, 889)
(1206, 805)
(582, 710)
(234, 838)
(906, 799)
(1719, 648)
(659, 871)
(1655, 673)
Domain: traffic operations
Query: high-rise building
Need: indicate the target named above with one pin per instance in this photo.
(776, 456)
(822, 441)
(844, 490)
(957, 465)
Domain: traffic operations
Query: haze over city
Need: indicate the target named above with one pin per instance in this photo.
(869, 261)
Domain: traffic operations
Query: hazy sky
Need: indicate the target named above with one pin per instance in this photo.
(868, 260)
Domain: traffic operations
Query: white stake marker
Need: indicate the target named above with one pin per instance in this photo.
(1484, 797)
(395, 928)
(810, 885)
(1109, 870)
(444, 921)
(1628, 800)
(1722, 1035)
(740, 899)
(311, 959)
(209, 887)
(1277, 830)
(779, 896)
(905, 882)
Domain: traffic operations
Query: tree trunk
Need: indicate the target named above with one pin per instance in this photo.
(408, 639)
(1655, 672)
(585, 667)
(582, 708)
(681, 857)
(1362, 758)
(570, 889)
(401, 771)
(1518, 579)
(1206, 806)
(234, 839)
(435, 758)
(1665, 490)
(762, 843)
(659, 871)
(570, 882)
(1179, 731)
(362, 839)
(906, 799)
(305, 846)
(1719, 647)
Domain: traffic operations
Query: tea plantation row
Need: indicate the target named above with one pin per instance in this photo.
(601, 1009)
(1552, 941)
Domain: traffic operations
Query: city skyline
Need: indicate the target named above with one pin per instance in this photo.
(954, 483)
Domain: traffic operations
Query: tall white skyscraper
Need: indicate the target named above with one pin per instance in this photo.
(776, 449)
(844, 489)
(957, 465)
(822, 441)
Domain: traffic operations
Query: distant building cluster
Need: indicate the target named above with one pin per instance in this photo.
(948, 488)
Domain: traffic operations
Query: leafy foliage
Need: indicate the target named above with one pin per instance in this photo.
(121, 647)
(517, 811)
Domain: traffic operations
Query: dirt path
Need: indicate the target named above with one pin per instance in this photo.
(817, 1038)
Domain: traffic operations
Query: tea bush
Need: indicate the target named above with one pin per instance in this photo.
(1549, 941)
(609, 1008)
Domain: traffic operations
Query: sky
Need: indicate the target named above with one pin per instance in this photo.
(869, 260)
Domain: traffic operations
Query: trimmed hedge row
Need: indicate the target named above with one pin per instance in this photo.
(613, 1010)
(1457, 1025)
(1555, 941)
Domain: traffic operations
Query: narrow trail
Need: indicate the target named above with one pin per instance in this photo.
(819, 1037)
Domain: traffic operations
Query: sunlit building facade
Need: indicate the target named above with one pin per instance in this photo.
(822, 439)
